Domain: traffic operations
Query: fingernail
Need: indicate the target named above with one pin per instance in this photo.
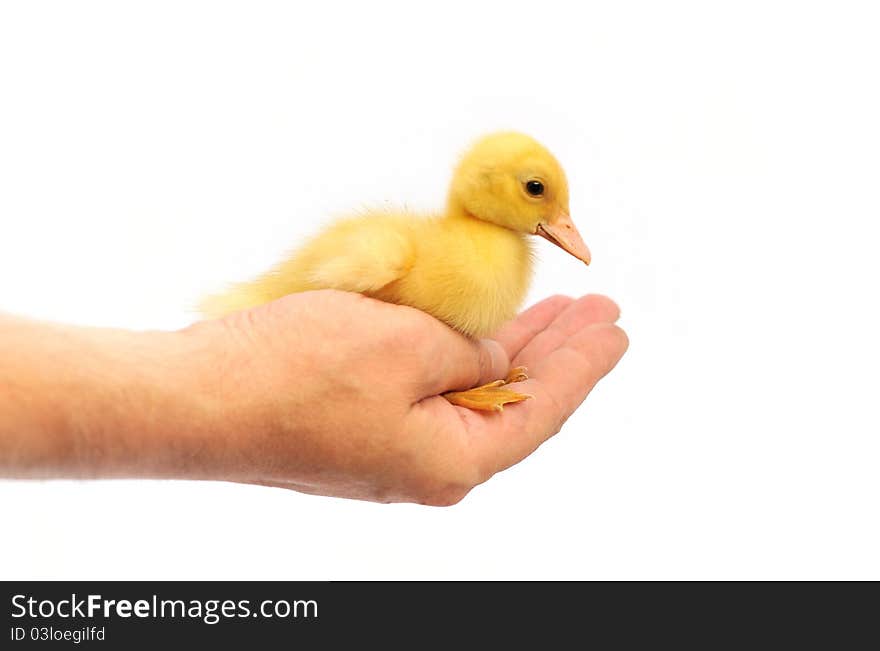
(500, 365)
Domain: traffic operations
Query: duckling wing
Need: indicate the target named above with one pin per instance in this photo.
(359, 256)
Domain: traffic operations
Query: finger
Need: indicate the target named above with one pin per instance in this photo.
(585, 311)
(572, 370)
(457, 363)
(559, 383)
(514, 335)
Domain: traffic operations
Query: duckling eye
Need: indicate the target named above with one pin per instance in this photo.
(535, 188)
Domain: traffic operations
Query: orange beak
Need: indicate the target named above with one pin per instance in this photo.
(563, 234)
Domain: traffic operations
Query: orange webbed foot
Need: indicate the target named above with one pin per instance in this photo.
(492, 396)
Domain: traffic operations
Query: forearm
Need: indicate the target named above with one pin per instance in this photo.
(90, 402)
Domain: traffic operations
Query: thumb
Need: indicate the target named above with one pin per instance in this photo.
(463, 363)
(492, 362)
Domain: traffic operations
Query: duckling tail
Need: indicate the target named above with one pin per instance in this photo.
(235, 298)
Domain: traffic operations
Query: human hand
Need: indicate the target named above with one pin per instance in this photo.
(337, 394)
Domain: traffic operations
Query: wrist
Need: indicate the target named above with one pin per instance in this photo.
(164, 413)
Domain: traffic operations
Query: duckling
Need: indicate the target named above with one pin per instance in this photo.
(469, 266)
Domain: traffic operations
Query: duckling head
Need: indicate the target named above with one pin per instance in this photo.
(511, 180)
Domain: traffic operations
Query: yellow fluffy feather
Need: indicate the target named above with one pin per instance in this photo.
(469, 266)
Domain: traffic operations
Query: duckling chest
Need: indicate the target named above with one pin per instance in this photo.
(474, 284)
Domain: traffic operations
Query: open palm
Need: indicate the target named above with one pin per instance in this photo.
(567, 346)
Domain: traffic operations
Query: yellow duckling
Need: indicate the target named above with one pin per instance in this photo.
(469, 266)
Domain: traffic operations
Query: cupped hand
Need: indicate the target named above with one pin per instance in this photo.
(337, 394)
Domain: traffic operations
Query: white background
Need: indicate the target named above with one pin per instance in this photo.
(724, 167)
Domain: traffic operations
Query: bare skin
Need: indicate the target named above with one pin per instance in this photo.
(325, 392)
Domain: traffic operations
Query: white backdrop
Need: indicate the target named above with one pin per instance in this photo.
(724, 167)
